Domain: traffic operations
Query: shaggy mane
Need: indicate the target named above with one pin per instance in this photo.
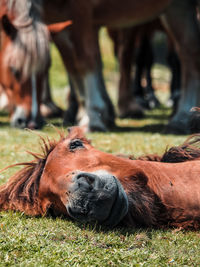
(21, 190)
(189, 150)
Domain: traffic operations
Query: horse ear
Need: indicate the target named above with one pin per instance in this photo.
(58, 27)
(8, 27)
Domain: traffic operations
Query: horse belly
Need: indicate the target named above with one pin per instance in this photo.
(116, 13)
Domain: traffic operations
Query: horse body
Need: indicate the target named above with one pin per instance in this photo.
(76, 180)
(113, 14)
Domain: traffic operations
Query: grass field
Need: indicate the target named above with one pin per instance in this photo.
(26, 241)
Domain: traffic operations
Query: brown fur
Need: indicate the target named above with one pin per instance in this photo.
(153, 188)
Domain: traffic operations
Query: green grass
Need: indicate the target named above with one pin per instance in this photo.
(26, 241)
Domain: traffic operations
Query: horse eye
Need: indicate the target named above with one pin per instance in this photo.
(74, 144)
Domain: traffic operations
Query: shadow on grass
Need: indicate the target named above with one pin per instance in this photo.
(3, 113)
(4, 119)
(156, 116)
(150, 128)
(119, 230)
(4, 124)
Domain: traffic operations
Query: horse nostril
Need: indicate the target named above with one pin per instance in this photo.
(89, 178)
(21, 123)
(86, 181)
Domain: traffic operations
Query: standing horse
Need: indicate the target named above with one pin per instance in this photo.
(75, 180)
(82, 42)
(24, 56)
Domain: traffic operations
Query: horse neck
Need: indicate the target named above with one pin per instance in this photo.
(144, 209)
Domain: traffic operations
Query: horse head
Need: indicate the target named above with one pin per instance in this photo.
(70, 180)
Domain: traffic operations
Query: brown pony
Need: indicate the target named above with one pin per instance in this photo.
(81, 45)
(75, 180)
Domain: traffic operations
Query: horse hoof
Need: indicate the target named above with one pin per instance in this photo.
(131, 114)
(97, 129)
(69, 118)
(176, 128)
(194, 120)
(35, 125)
(134, 111)
(19, 123)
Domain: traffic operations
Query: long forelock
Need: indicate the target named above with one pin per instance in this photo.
(21, 190)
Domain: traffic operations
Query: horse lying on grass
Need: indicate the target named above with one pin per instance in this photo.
(77, 181)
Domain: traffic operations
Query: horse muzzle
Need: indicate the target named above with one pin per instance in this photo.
(97, 197)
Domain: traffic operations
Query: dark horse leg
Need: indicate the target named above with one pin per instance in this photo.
(128, 106)
(124, 43)
(175, 67)
(152, 101)
(144, 61)
(48, 108)
(181, 22)
(89, 104)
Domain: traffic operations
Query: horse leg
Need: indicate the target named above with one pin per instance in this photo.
(48, 108)
(128, 107)
(144, 61)
(151, 99)
(98, 104)
(27, 99)
(70, 114)
(182, 15)
(95, 110)
(175, 67)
